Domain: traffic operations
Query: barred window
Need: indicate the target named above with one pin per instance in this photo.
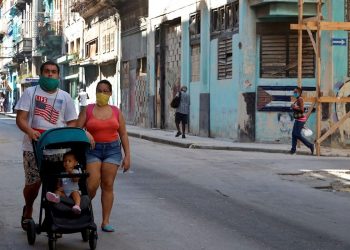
(91, 48)
(279, 56)
(195, 32)
(225, 19)
(225, 58)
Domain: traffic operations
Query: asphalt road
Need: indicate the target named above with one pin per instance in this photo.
(175, 198)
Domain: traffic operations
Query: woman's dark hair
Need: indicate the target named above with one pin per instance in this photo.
(49, 63)
(105, 82)
(300, 90)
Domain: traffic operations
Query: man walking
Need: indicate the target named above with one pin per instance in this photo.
(40, 108)
(82, 98)
(182, 112)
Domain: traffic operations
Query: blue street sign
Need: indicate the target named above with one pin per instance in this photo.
(339, 41)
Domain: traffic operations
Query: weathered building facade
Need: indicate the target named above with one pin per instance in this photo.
(134, 83)
(96, 50)
(239, 60)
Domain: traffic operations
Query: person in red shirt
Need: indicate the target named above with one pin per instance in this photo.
(105, 126)
(299, 122)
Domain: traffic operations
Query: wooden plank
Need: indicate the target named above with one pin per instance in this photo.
(310, 110)
(300, 42)
(333, 128)
(318, 78)
(312, 40)
(333, 99)
(306, 99)
(323, 26)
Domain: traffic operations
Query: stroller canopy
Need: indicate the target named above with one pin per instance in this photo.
(57, 138)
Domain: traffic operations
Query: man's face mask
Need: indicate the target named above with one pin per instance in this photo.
(48, 84)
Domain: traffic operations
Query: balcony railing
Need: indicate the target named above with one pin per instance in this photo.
(24, 46)
(87, 8)
(272, 9)
(262, 2)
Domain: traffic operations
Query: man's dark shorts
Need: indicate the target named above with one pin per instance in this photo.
(179, 117)
(31, 171)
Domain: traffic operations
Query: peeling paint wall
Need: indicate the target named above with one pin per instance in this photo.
(134, 89)
(232, 109)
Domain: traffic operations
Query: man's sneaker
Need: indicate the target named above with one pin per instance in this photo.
(76, 209)
(55, 198)
(178, 134)
(183, 136)
(312, 149)
(292, 152)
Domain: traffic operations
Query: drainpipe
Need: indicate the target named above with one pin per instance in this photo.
(118, 65)
(162, 74)
(35, 18)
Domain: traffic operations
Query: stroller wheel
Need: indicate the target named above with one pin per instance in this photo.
(85, 234)
(52, 244)
(31, 232)
(93, 240)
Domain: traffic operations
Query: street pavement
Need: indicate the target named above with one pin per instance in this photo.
(197, 142)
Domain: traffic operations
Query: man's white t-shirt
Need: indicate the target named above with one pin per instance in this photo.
(83, 98)
(46, 110)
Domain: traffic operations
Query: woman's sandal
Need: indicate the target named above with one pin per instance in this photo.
(24, 221)
(107, 228)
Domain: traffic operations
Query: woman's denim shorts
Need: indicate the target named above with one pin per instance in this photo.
(109, 152)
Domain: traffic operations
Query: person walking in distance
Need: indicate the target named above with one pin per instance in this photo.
(40, 108)
(182, 112)
(299, 121)
(82, 98)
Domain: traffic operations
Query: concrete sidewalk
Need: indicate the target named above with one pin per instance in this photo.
(197, 142)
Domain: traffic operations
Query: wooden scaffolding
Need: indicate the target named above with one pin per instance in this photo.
(317, 24)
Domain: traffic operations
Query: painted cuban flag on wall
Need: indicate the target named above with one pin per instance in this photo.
(278, 98)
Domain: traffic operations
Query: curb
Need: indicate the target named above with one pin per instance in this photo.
(160, 140)
(211, 147)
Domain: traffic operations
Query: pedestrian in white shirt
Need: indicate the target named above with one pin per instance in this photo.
(82, 98)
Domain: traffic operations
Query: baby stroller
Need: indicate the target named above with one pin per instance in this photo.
(59, 218)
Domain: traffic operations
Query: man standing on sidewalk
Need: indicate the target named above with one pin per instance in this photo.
(40, 108)
(182, 112)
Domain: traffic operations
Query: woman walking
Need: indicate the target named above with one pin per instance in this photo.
(299, 122)
(106, 130)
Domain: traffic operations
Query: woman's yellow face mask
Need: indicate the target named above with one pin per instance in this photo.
(102, 99)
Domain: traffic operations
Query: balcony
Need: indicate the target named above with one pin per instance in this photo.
(67, 58)
(269, 9)
(24, 46)
(18, 58)
(20, 5)
(88, 8)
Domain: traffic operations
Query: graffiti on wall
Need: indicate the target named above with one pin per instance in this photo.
(278, 98)
(285, 123)
(341, 110)
(141, 110)
(172, 70)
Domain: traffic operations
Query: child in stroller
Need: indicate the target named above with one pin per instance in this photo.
(57, 218)
(68, 187)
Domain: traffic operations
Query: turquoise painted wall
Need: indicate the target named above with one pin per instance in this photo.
(224, 96)
(228, 111)
(333, 71)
